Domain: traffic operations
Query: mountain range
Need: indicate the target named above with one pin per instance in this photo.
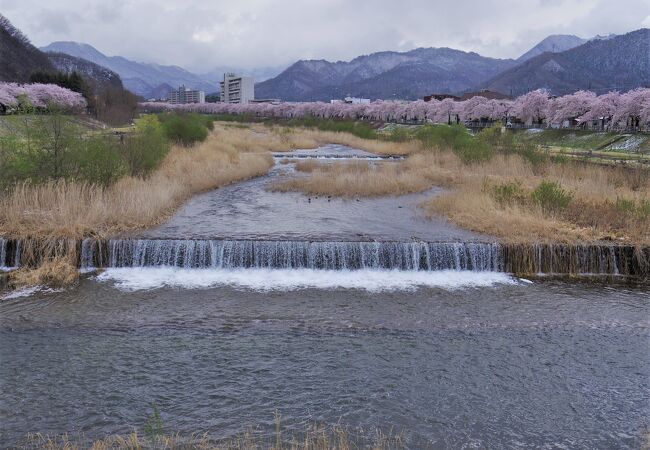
(559, 63)
(404, 75)
(152, 80)
(600, 65)
(139, 78)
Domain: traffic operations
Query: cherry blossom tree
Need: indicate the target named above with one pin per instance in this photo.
(532, 107)
(631, 109)
(41, 96)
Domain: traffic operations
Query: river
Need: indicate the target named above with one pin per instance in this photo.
(451, 358)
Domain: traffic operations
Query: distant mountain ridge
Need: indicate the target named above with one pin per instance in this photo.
(603, 64)
(554, 43)
(404, 75)
(560, 63)
(140, 78)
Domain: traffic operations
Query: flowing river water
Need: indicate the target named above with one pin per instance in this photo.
(456, 356)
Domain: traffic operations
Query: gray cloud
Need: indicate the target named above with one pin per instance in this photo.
(200, 35)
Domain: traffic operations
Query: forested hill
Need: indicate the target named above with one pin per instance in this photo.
(619, 63)
(18, 57)
(89, 70)
(402, 75)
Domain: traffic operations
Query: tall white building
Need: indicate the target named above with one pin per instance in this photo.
(236, 89)
(186, 95)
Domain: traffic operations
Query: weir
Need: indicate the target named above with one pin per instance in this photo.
(521, 259)
(232, 254)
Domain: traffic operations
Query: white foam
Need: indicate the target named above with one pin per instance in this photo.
(144, 278)
(28, 291)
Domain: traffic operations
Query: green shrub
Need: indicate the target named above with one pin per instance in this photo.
(399, 134)
(530, 153)
(471, 150)
(560, 159)
(53, 146)
(146, 148)
(507, 193)
(625, 205)
(96, 160)
(630, 207)
(551, 196)
(468, 148)
(184, 128)
(498, 137)
(440, 135)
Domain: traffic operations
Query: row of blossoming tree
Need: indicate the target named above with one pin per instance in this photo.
(584, 109)
(16, 97)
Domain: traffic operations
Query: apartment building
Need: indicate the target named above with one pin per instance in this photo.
(237, 89)
(186, 95)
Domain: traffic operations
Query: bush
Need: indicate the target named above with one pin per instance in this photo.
(471, 150)
(631, 208)
(551, 196)
(399, 134)
(440, 135)
(468, 148)
(535, 157)
(96, 160)
(497, 136)
(507, 193)
(52, 147)
(184, 128)
(148, 145)
(359, 129)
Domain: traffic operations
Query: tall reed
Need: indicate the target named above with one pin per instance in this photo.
(75, 209)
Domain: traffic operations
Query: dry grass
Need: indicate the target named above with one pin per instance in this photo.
(46, 261)
(294, 138)
(54, 272)
(72, 210)
(592, 215)
(315, 438)
(359, 178)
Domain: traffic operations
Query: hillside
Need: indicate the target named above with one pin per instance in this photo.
(617, 63)
(140, 78)
(405, 75)
(89, 70)
(18, 57)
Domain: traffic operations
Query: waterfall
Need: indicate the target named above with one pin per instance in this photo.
(524, 259)
(10, 253)
(299, 255)
(3, 252)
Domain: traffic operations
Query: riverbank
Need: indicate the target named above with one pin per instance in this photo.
(517, 197)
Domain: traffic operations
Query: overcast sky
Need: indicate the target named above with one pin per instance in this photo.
(200, 35)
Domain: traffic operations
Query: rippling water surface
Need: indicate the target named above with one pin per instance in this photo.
(505, 364)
